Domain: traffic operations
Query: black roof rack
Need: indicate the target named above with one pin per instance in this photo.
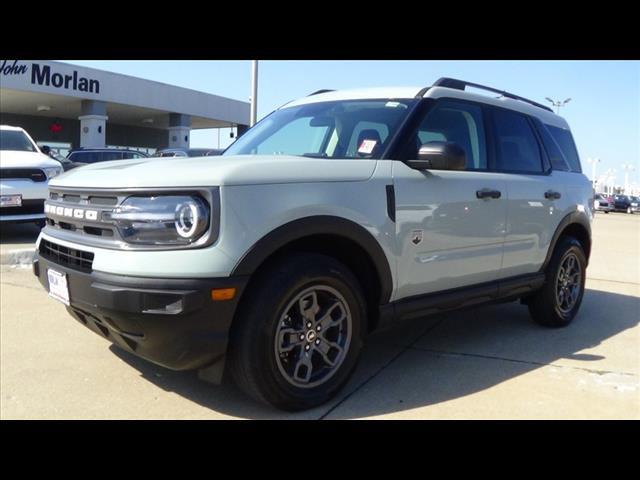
(461, 85)
(320, 91)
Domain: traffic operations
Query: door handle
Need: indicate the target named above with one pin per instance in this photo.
(551, 195)
(488, 193)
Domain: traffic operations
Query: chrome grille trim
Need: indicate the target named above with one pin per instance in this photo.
(98, 230)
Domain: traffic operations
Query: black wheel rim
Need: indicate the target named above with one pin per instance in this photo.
(313, 336)
(568, 283)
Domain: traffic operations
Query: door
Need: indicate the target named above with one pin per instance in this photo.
(448, 237)
(536, 197)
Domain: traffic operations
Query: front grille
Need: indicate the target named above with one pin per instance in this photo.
(67, 257)
(86, 199)
(28, 207)
(34, 174)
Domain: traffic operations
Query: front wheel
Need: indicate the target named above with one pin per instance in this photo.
(299, 332)
(558, 301)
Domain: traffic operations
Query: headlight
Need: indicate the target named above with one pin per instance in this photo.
(162, 220)
(52, 171)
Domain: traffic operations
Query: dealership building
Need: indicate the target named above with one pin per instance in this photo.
(66, 106)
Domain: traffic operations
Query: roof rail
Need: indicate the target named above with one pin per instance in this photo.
(325, 90)
(461, 85)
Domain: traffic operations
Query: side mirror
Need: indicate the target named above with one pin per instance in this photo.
(440, 156)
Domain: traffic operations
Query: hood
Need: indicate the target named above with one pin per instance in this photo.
(214, 171)
(13, 159)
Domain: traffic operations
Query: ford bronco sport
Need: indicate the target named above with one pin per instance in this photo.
(333, 216)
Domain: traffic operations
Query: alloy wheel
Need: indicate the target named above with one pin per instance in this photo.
(568, 283)
(313, 336)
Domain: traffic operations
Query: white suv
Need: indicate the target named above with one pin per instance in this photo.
(333, 216)
(24, 174)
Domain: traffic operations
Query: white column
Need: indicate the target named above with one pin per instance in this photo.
(93, 130)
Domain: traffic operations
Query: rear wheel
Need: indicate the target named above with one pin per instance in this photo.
(299, 333)
(556, 304)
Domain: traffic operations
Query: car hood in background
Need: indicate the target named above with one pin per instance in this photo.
(13, 159)
(215, 171)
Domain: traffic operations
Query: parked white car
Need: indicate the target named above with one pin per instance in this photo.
(24, 176)
(334, 215)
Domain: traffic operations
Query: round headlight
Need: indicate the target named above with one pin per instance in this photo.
(191, 218)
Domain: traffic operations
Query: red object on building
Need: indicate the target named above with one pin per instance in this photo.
(55, 127)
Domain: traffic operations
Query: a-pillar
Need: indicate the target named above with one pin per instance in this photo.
(179, 130)
(93, 124)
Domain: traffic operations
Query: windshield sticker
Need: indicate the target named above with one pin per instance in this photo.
(367, 146)
(392, 104)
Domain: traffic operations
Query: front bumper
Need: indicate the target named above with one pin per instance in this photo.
(170, 322)
(33, 197)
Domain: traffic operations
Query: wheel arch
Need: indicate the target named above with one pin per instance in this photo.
(575, 224)
(338, 237)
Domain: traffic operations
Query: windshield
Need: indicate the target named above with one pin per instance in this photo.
(339, 129)
(15, 140)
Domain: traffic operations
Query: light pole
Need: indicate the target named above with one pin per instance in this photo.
(558, 103)
(254, 93)
(627, 167)
(594, 163)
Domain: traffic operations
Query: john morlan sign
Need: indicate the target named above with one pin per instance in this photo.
(43, 75)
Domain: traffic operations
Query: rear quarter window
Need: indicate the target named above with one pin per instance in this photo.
(564, 141)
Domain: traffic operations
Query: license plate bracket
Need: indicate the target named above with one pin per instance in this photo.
(58, 286)
(10, 201)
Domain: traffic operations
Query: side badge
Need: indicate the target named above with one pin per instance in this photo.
(416, 237)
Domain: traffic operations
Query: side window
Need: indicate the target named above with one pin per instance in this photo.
(517, 147)
(558, 160)
(457, 122)
(377, 132)
(564, 139)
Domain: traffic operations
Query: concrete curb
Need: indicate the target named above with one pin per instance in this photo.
(22, 257)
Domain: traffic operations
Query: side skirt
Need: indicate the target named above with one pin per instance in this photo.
(434, 303)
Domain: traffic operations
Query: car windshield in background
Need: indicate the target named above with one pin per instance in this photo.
(94, 157)
(339, 129)
(16, 141)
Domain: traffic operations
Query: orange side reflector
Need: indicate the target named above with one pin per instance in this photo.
(220, 294)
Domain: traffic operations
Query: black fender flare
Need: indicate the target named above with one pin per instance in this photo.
(318, 225)
(575, 217)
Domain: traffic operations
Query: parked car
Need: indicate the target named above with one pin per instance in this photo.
(64, 162)
(188, 152)
(333, 216)
(602, 204)
(635, 205)
(84, 156)
(24, 175)
(622, 203)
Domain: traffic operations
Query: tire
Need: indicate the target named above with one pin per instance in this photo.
(268, 356)
(607, 213)
(558, 310)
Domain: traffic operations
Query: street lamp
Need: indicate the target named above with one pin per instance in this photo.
(558, 103)
(594, 162)
(627, 167)
(254, 93)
